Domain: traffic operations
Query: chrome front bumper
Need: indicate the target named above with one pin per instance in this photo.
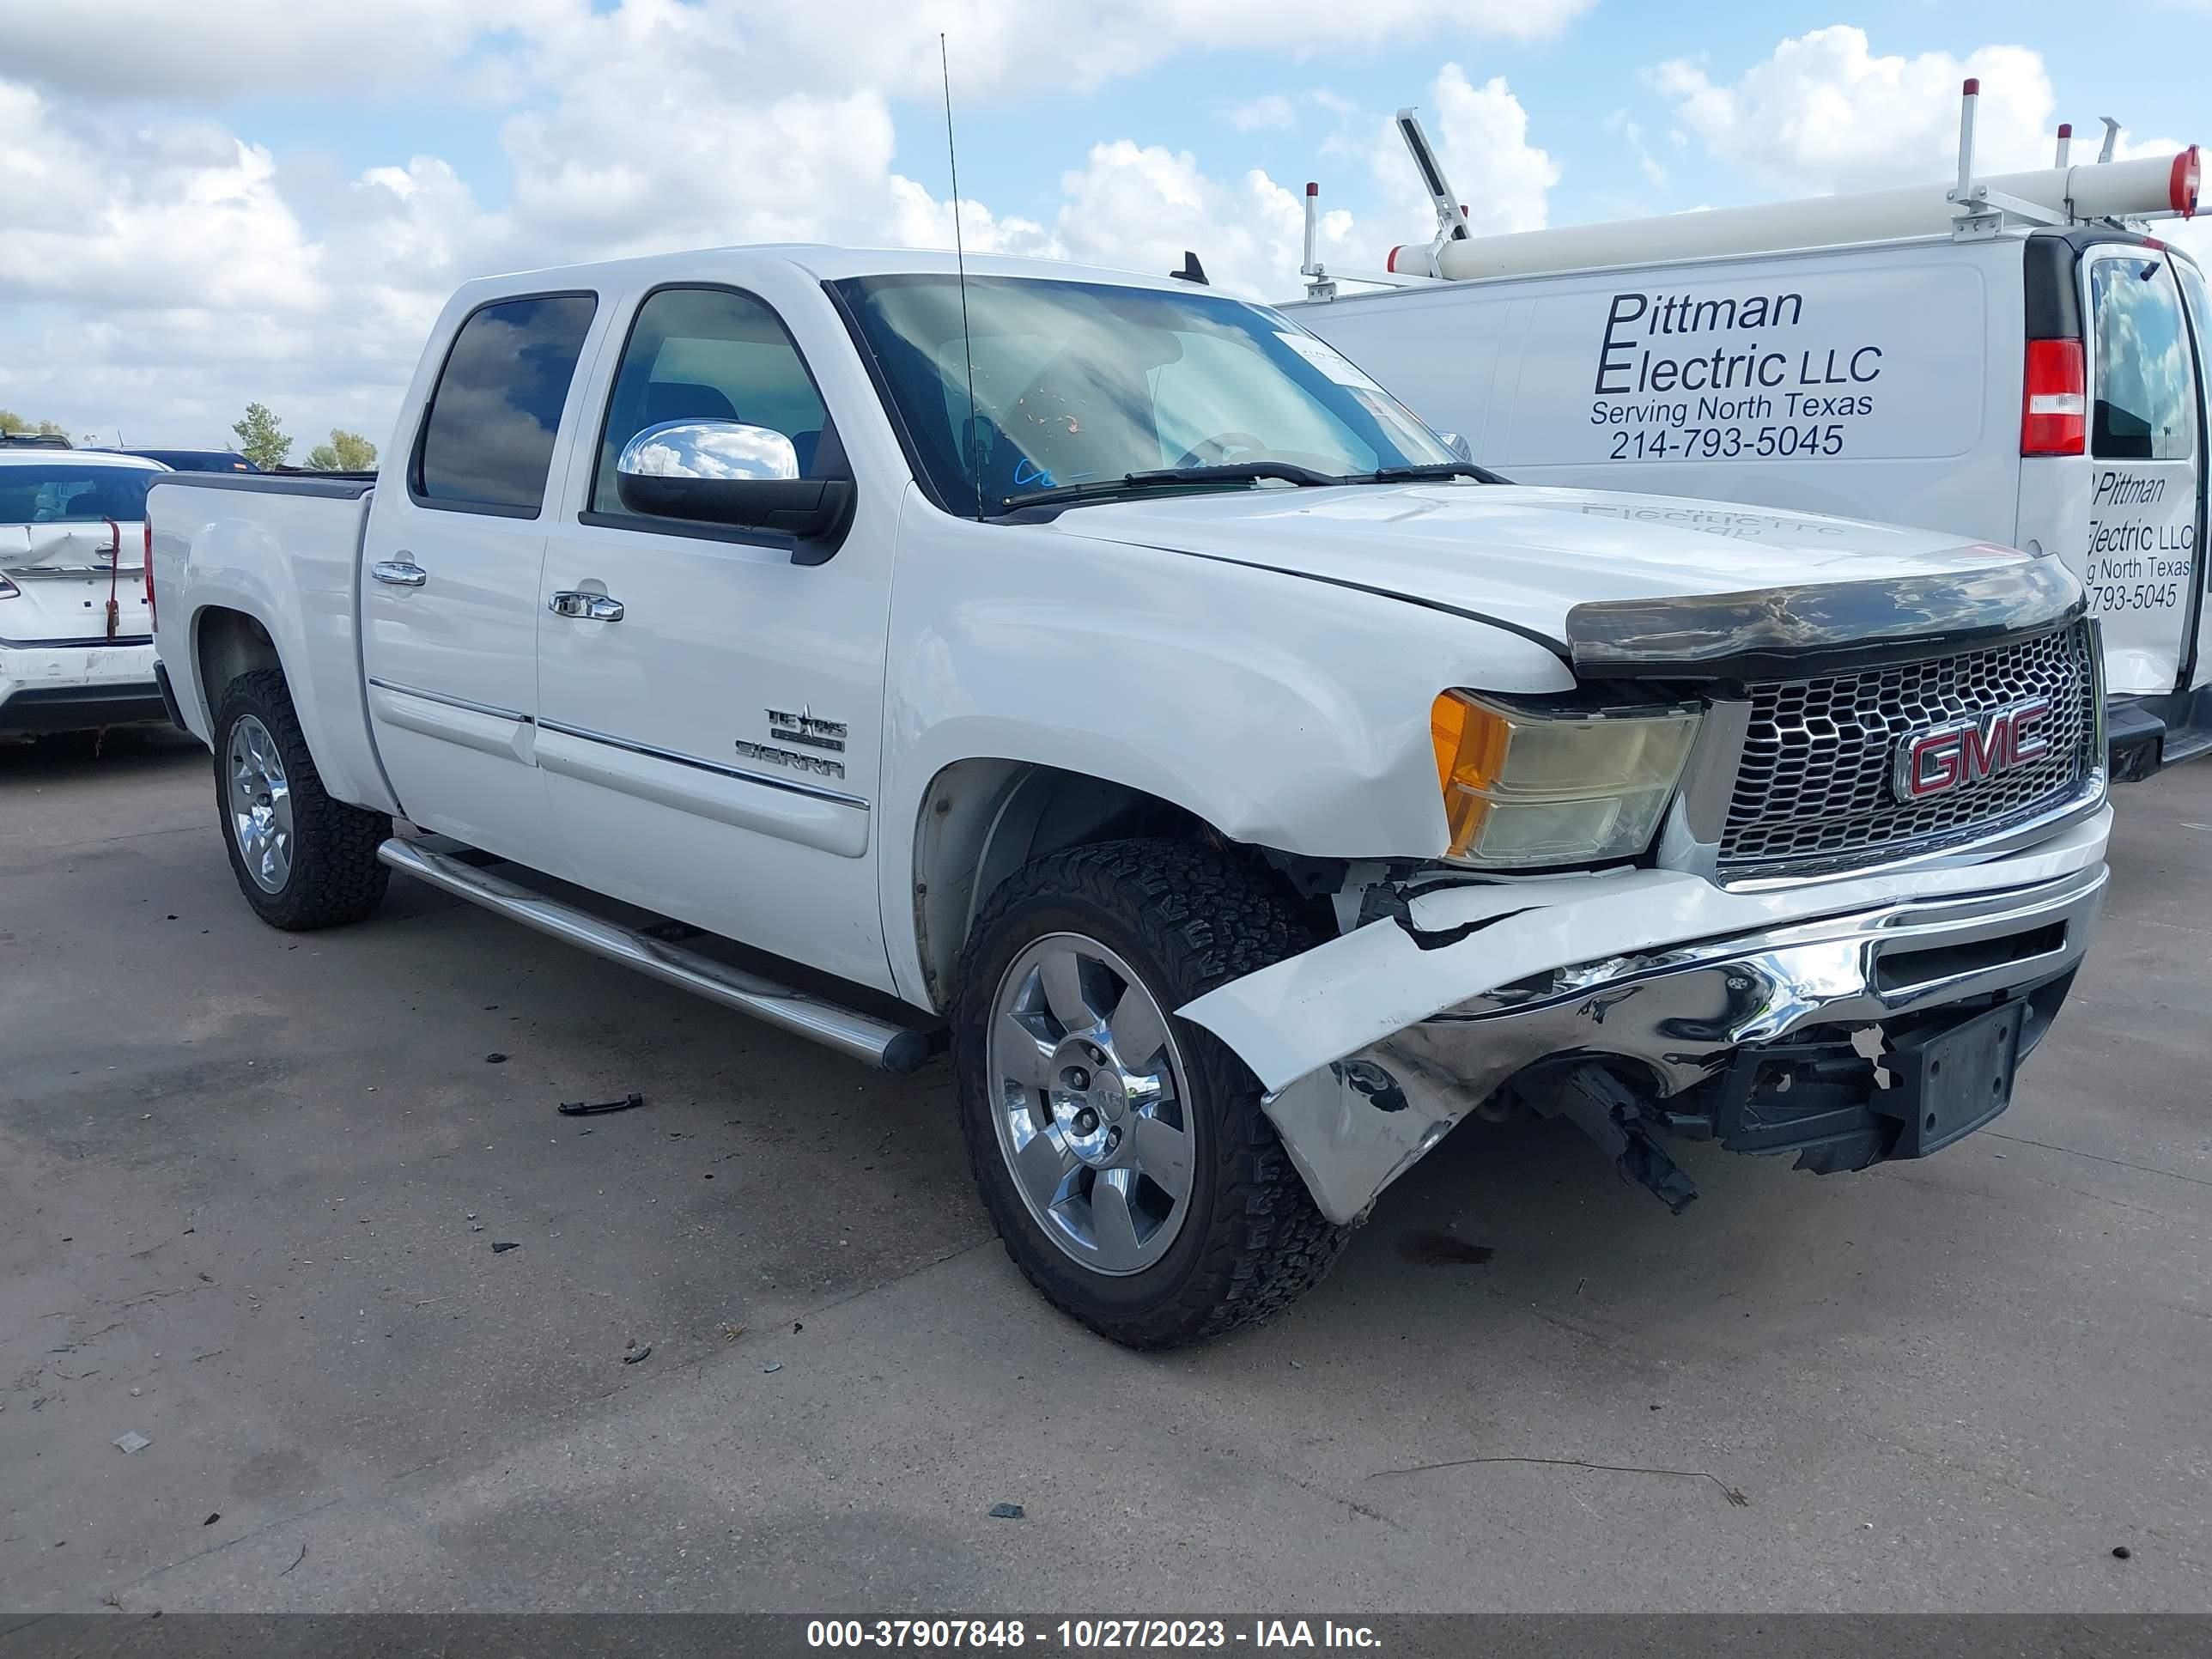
(1676, 1015)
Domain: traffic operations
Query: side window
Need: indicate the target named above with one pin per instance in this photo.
(705, 354)
(2143, 398)
(488, 442)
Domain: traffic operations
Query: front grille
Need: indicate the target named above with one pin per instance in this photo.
(1813, 789)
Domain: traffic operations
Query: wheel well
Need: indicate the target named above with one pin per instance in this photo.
(981, 820)
(229, 643)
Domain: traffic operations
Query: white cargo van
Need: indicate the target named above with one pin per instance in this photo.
(1980, 359)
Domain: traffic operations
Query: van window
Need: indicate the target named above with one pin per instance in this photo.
(2143, 396)
(708, 354)
(2194, 289)
(488, 442)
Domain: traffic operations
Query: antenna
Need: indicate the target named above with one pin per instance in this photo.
(960, 258)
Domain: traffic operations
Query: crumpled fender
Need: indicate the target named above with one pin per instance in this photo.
(1303, 1013)
(1292, 1021)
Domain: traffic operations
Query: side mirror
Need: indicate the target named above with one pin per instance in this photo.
(1456, 442)
(725, 473)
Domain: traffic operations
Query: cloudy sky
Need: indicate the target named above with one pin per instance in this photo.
(203, 204)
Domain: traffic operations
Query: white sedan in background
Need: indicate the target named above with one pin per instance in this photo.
(76, 638)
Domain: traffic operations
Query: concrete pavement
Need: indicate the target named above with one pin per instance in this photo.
(250, 1183)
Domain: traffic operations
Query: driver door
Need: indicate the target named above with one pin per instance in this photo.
(712, 750)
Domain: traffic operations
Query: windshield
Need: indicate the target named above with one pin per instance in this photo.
(1079, 383)
(72, 492)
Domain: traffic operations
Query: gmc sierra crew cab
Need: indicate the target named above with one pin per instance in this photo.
(1102, 680)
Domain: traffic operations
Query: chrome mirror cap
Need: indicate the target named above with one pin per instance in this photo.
(708, 449)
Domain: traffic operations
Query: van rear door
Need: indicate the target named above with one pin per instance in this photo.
(2196, 296)
(2135, 510)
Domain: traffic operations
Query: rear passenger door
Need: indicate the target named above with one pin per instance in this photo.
(449, 588)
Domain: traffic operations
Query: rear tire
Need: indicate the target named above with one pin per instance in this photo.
(302, 860)
(1060, 1157)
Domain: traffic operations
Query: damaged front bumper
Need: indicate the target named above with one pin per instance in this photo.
(1374, 1045)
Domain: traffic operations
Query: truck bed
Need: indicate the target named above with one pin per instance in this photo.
(278, 546)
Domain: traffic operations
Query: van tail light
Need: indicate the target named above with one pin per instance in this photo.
(150, 570)
(2055, 413)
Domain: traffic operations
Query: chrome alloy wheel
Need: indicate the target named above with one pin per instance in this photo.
(261, 803)
(1090, 1103)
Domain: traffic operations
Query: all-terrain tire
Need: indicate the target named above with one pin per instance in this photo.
(1187, 918)
(334, 876)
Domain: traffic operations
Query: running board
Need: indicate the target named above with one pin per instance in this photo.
(880, 1043)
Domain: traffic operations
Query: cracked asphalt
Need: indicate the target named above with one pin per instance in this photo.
(252, 1186)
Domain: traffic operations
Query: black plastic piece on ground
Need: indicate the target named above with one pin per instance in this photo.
(1601, 1107)
(579, 1108)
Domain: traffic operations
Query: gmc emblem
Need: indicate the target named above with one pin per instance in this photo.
(1963, 752)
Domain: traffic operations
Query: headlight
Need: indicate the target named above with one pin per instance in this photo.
(1523, 788)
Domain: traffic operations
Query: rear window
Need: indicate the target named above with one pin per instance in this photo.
(72, 492)
(488, 443)
(2142, 392)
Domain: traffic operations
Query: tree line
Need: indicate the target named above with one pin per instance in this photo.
(261, 439)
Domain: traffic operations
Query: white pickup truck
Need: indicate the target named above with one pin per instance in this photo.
(1103, 678)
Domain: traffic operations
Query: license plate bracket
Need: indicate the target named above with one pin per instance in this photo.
(1951, 1080)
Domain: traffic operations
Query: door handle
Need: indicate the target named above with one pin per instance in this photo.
(589, 607)
(402, 572)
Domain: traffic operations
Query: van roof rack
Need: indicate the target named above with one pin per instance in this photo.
(1970, 207)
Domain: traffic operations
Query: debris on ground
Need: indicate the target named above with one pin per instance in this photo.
(494, 1059)
(132, 1441)
(212, 1519)
(732, 1332)
(1431, 1249)
(636, 1353)
(772, 1365)
(1007, 1511)
(595, 1108)
(2121, 1553)
(503, 1248)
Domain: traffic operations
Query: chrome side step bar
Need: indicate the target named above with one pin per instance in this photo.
(880, 1043)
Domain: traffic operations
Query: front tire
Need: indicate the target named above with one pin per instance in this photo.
(302, 860)
(1123, 1153)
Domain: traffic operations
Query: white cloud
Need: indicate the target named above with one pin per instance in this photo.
(1141, 207)
(158, 269)
(184, 214)
(1632, 132)
(1273, 109)
(1823, 112)
(1481, 137)
(107, 49)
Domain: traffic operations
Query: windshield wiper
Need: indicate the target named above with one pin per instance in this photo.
(1434, 469)
(1168, 477)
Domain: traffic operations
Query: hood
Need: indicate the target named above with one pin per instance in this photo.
(1526, 556)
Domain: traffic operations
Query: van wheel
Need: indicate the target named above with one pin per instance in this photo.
(302, 860)
(1123, 1153)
